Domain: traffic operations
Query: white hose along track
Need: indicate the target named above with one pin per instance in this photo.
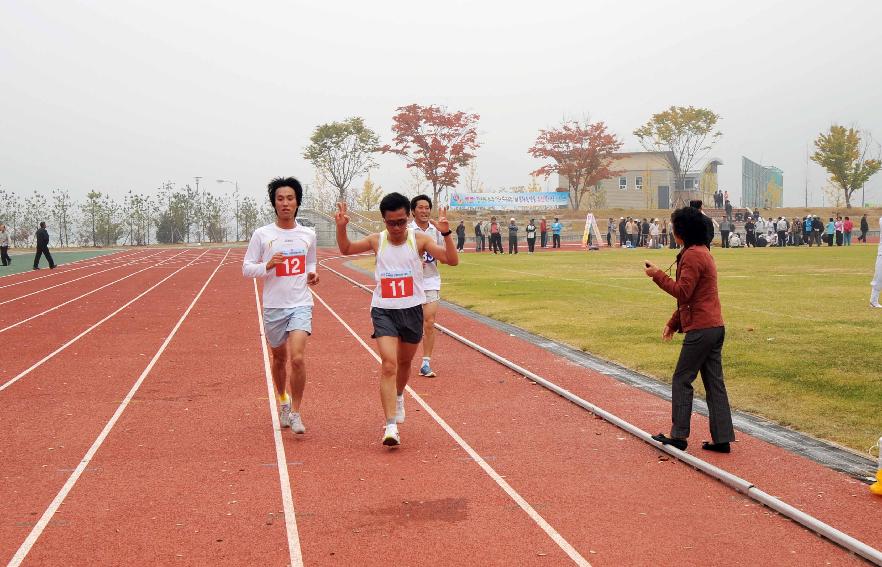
(744, 486)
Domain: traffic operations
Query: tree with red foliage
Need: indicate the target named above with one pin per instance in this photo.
(580, 151)
(434, 141)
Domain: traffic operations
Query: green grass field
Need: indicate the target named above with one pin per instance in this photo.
(802, 346)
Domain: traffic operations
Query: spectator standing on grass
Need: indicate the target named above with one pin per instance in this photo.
(479, 236)
(663, 237)
(512, 236)
(837, 226)
(865, 228)
(629, 232)
(543, 232)
(460, 236)
(396, 305)
(830, 231)
(644, 233)
(817, 229)
(623, 234)
(531, 236)
(4, 246)
(43, 247)
(556, 229)
(653, 234)
(725, 229)
(283, 256)
(495, 236)
(781, 229)
(750, 233)
(807, 230)
(847, 227)
(610, 232)
(876, 284)
(698, 315)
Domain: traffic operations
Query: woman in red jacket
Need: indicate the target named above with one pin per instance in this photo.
(700, 317)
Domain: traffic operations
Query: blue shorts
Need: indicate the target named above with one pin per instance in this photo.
(279, 321)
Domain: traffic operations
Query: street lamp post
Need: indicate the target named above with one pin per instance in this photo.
(236, 195)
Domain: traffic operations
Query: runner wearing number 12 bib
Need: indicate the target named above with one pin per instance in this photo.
(283, 255)
(397, 302)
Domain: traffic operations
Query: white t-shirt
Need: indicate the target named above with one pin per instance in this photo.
(431, 276)
(285, 284)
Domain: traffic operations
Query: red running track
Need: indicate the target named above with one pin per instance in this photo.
(188, 473)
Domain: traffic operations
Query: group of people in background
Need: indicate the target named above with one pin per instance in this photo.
(637, 233)
(492, 231)
(809, 230)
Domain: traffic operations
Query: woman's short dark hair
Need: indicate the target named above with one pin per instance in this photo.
(417, 199)
(393, 202)
(279, 182)
(689, 225)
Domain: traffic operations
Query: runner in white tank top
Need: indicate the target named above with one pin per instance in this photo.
(396, 306)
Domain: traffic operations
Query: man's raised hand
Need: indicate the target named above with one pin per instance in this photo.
(442, 224)
(340, 217)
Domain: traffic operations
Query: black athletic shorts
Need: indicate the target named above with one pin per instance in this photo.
(406, 324)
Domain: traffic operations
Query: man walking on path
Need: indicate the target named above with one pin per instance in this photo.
(4, 246)
(283, 255)
(396, 306)
(43, 247)
(479, 237)
(876, 284)
(556, 227)
(421, 205)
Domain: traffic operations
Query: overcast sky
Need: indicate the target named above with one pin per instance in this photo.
(118, 94)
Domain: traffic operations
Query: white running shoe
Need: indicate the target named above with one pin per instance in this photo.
(399, 409)
(390, 436)
(297, 423)
(876, 305)
(285, 415)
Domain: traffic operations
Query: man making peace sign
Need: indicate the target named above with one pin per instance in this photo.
(397, 303)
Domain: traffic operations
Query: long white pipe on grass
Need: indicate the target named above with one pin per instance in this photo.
(745, 487)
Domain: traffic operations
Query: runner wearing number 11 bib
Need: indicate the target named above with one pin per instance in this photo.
(283, 255)
(397, 302)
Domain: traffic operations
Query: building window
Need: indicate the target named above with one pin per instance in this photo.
(638, 182)
(689, 184)
(623, 183)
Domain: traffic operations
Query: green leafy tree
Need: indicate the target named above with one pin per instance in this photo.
(91, 210)
(35, 210)
(109, 228)
(62, 215)
(369, 197)
(215, 209)
(685, 134)
(341, 152)
(248, 212)
(846, 158)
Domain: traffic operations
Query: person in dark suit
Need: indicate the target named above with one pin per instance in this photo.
(699, 316)
(43, 247)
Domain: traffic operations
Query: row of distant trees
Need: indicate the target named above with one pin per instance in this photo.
(168, 216)
(438, 144)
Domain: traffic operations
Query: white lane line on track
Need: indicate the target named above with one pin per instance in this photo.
(739, 484)
(105, 259)
(72, 479)
(78, 279)
(23, 321)
(294, 552)
(90, 329)
(505, 486)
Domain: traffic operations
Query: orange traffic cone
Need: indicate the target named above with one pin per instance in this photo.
(876, 487)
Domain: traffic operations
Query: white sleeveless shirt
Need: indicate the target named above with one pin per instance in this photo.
(399, 274)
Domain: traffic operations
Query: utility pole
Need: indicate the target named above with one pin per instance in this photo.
(199, 211)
